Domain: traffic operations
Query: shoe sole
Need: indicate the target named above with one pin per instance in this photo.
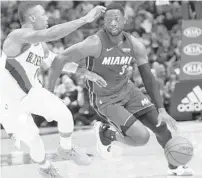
(176, 174)
(96, 129)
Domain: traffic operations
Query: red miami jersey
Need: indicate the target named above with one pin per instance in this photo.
(111, 65)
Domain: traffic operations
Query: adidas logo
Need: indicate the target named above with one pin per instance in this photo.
(193, 101)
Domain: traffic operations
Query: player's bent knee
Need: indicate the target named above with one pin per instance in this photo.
(63, 114)
(35, 140)
(138, 134)
(143, 139)
(65, 121)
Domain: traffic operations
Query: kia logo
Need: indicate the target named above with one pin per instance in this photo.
(193, 49)
(193, 68)
(192, 32)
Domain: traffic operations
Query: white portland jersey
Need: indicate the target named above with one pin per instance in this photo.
(24, 67)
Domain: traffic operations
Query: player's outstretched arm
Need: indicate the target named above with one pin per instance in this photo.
(72, 67)
(151, 84)
(89, 47)
(57, 31)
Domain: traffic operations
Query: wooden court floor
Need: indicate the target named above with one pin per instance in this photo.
(135, 162)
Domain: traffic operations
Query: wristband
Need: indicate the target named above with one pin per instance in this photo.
(70, 67)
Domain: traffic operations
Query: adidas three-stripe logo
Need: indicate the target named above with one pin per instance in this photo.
(192, 102)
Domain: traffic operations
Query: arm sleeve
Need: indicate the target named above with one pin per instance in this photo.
(151, 85)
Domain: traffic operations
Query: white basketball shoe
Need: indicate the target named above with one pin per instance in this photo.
(103, 147)
(181, 171)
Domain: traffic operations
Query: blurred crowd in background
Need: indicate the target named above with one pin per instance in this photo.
(157, 26)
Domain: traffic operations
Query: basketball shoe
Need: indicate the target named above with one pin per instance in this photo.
(73, 154)
(103, 147)
(180, 171)
(49, 172)
(104, 144)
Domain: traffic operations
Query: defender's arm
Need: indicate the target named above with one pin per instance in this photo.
(89, 47)
(56, 32)
(71, 67)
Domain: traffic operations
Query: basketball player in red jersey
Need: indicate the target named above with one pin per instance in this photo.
(109, 53)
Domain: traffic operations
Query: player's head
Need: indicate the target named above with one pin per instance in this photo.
(34, 14)
(114, 19)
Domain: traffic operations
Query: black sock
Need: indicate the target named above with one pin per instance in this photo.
(108, 136)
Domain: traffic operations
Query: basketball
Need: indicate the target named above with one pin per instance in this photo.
(178, 151)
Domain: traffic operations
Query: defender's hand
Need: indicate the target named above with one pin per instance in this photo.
(164, 116)
(96, 78)
(94, 14)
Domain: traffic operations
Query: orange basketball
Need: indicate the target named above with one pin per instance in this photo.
(178, 151)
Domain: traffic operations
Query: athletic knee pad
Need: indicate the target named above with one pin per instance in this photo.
(138, 133)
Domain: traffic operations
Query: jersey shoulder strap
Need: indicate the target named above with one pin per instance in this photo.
(129, 38)
(106, 43)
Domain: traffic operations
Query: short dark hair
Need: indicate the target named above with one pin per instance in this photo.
(115, 5)
(23, 9)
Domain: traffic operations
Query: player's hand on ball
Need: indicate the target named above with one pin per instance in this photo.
(94, 13)
(165, 117)
(96, 78)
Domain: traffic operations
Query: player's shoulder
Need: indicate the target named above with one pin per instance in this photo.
(93, 42)
(12, 43)
(94, 39)
(135, 40)
(11, 35)
(10, 40)
(93, 45)
(19, 32)
(15, 35)
(137, 44)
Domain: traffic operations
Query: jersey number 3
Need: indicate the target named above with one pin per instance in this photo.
(123, 70)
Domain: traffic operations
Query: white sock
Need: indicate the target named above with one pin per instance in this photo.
(44, 165)
(66, 142)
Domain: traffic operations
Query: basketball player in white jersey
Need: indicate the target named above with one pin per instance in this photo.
(22, 93)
